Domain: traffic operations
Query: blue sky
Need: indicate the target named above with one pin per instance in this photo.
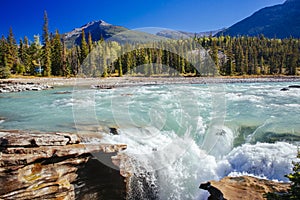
(26, 16)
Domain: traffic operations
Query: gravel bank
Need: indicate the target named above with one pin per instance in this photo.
(113, 82)
(13, 86)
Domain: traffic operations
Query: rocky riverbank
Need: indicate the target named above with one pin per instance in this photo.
(56, 166)
(126, 81)
(15, 86)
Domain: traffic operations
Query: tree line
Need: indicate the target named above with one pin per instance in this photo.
(231, 56)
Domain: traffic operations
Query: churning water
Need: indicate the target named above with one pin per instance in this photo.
(172, 143)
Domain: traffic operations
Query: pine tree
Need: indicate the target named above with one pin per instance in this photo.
(34, 54)
(230, 65)
(84, 50)
(292, 58)
(215, 51)
(119, 65)
(73, 60)
(4, 68)
(90, 42)
(26, 57)
(150, 65)
(294, 191)
(65, 69)
(12, 51)
(239, 58)
(56, 55)
(21, 56)
(295, 179)
(46, 47)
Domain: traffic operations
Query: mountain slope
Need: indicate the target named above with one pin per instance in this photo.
(97, 29)
(280, 21)
(101, 29)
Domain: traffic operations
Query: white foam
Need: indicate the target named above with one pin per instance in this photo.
(272, 161)
(244, 97)
(180, 165)
(293, 105)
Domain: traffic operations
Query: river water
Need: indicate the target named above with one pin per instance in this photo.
(177, 135)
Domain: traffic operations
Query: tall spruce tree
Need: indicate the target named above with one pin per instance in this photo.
(11, 51)
(56, 55)
(65, 69)
(26, 57)
(84, 50)
(46, 47)
(90, 42)
(35, 54)
(4, 68)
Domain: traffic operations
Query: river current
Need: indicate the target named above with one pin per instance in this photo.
(182, 135)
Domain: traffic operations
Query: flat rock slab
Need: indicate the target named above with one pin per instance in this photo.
(33, 139)
(246, 187)
(44, 165)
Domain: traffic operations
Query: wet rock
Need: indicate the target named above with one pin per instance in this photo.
(294, 86)
(11, 86)
(63, 92)
(107, 87)
(99, 181)
(215, 193)
(53, 166)
(245, 187)
(284, 89)
(113, 131)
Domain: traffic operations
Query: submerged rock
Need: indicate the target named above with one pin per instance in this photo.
(63, 92)
(284, 89)
(56, 166)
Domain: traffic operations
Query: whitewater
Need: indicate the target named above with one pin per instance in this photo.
(177, 136)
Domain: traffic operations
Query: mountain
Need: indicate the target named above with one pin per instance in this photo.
(183, 35)
(101, 29)
(97, 29)
(280, 21)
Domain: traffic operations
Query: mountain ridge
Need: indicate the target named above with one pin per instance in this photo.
(278, 21)
(101, 29)
(98, 29)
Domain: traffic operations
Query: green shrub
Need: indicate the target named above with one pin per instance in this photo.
(294, 191)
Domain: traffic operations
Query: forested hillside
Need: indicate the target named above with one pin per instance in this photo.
(231, 55)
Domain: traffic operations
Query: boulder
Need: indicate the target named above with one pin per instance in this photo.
(284, 89)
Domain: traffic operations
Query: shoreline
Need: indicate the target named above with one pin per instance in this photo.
(140, 81)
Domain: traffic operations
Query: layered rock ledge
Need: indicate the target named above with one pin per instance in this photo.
(56, 166)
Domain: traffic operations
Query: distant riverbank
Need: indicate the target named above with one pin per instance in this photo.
(137, 81)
